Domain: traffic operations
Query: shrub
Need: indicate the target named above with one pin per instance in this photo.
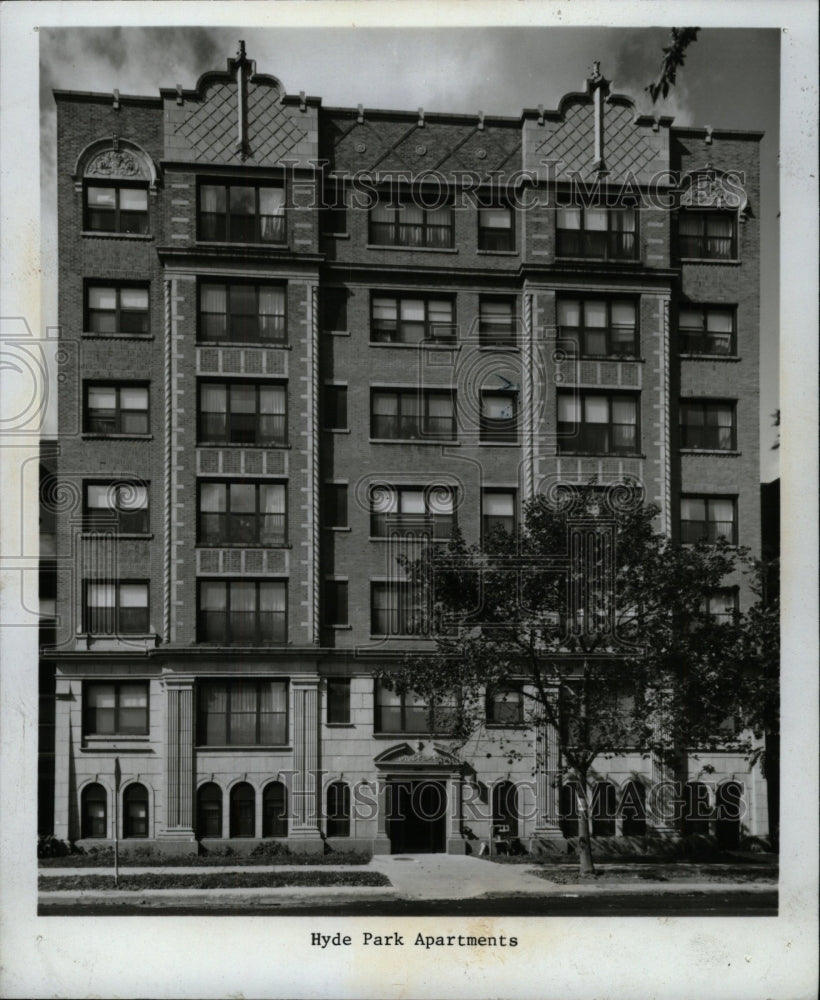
(270, 849)
(49, 846)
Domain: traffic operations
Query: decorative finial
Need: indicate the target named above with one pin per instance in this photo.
(241, 58)
(596, 70)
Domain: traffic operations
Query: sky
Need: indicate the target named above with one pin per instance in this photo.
(730, 80)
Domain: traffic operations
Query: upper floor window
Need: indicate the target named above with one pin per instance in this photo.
(707, 519)
(496, 322)
(499, 417)
(116, 208)
(242, 413)
(334, 602)
(398, 608)
(242, 713)
(116, 409)
(398, 319)
(428, 509)
(598, 423)
(497, 511)
(116, 506)
(707, 330)
(338, 701)
(412, 414)
(411, 225)
(334, 407)
(602, 233)
(242, 312)
(409, 713)
(722, 604)
(242, 213)
(496, 228)
(334, 309)
(117, 607)
(505, 706)
(116, 308)
(242, 612)
(599, 327)
(242, 513)
(707, 426)
(707, 234)
(115, 707)
(334, 505)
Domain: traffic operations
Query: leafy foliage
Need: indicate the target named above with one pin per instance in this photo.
(674, 56)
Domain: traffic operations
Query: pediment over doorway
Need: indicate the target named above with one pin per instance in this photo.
(419, 755)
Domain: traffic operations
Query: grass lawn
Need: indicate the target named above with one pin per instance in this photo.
(212, 880)
(105, 859)
(736, 874)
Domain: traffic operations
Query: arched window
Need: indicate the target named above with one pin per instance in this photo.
(243, 810)
(602, 809)
(275, 810)
(505, 808)
(568, 810)
(338, 810)
(633, 809)
(135, 811)
(696, 809)
(94, 811)
(728, 810)
(209, 811)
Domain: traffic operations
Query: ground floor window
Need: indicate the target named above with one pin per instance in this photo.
(633, 810)
(135, 811)
(94, 811)
(505, 809)
(243, 810)
(338, 809)
(696, 808)
(275, 810)
(209, 811)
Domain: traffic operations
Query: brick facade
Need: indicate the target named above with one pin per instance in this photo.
(239, 128)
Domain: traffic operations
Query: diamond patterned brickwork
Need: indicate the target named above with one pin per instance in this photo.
(625, 145)
(207, 130)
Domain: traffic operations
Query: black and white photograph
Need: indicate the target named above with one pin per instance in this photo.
(397, 418)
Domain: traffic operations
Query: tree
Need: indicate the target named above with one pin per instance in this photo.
(599, 616)
(674, 56)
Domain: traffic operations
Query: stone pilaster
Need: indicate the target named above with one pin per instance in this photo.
(177, 832)
(546, 789)
(455, 841)
(307, 787)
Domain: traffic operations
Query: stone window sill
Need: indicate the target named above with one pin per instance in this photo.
(234, 344)
(117, 437)
(93, 335)
(422, 441)
(710, 357)
(124, 535)
(709, 451)
(117, 236)
(391, 246)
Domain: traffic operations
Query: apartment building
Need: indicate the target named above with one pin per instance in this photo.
(299, 330)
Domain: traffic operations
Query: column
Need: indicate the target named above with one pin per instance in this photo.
(381, 842)
(455, 841)
(307, 788)
(177, 833)
(546, 788)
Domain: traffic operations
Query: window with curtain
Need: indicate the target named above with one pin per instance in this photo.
(496, 228)
(116, 409)
(242, 612)
(707, 234)
(115, 707)
(242, 312)
(411, 414)
(721, 604)
(116, 208)
(116, 607)
(601, 233)
(411, 508)
(411, 225)
(410, 320)
(117, 308)
(242, 413)
(246, 712)
(599, 327)
(408, 712)
(707, 425)
(705, 518)
(707, 330)
(496, 322)
(398, 608)
(242, 513)
(116, 506)
(241, 213)
(598, 423)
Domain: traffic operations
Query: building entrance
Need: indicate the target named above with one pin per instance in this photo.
(417, 817)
